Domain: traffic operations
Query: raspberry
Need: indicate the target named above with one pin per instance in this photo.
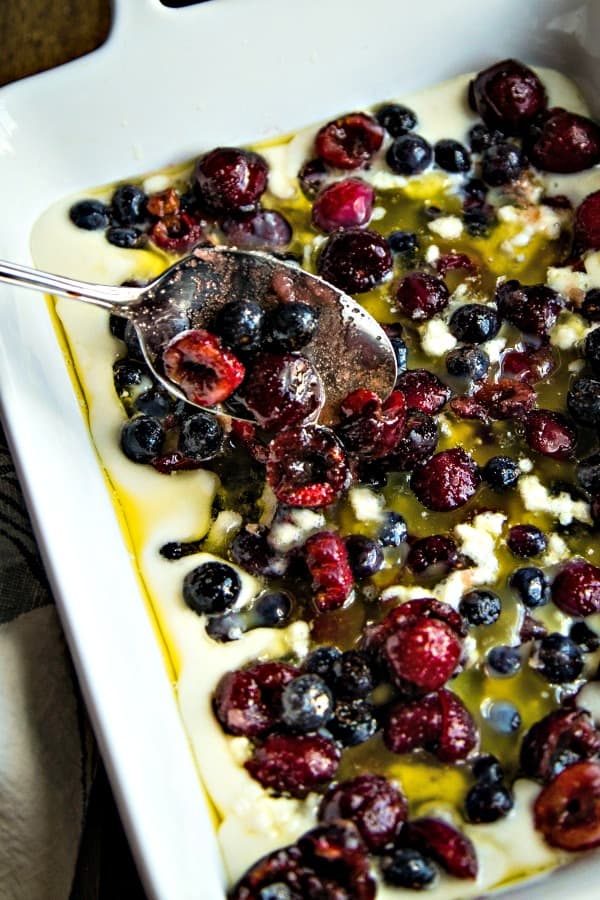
(423, 654)
(557, 741)
(447, 481)
(344, 204)
(248, 701)
(281, 390)
(550, 433)
(447, 846)
(423, 390)
(576, 589)
(507, 96)
(375, 805)
(563, 142)
(307, 467)
(421, 296)
(567, 811)
(369, 428)
(294, 764)
(355, 260)
(418, 443)
(528, 365)
(350, 141)
(327, 561)
(229, 179)
(206, 371)
(587, 224)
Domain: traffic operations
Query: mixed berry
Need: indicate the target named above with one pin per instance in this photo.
(444, 543)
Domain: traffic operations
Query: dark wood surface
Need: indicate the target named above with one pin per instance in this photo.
(37, 35)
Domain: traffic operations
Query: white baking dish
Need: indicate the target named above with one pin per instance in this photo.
(167, 84)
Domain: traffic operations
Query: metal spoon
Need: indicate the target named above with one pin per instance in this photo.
(349, 349)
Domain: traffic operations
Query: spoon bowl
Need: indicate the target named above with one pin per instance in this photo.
(348, 350)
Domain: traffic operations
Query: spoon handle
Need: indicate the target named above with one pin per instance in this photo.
(115, 299)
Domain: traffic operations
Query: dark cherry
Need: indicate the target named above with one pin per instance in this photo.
(567, 811)
(421, 296)
(529, 365)
(447, 846)
(229, 179)
(281, 390)
(587, 224)
(307, 467)
(532, 308)
(349, 142)
(423, 390)
(294, 764)
(422, 654)
(355, 260)
(419, 441)
(375, 805)
(446, 481)
(525, 541)
(550, 433)
(369, 428)
(343, 204)
(435, 554)
(264, 229)
(576, 588)
(508, 96)
(248, 701)
(563, 142)
(502, 399)
(206, 371)
(560, 739)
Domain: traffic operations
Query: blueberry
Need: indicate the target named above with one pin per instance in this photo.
(321, 661)
(91, 215)
(559, 658)
(583, 401)
(142, 438)
(201, 436)
(132, 342)
(273, 609)
(584, 637)
(481, 137)
(127, 373)
(590, 308)
(403, 243)
(228, 627)
(401, 354)
(306, 703)
(501, 163)
(409, 155)
(292, 326)
(174, 550)
(353, 722)
(352, 676)
(478, 220)
(588, 473)
(452, 156)
(240, 324)
(531, 585)
(591, 350)
(475, 190)
(212, 587)
(501, 473)
(488, 802)
(409, 869)
(365, 555)
(488, 770)
(128, 205)
(480, 607)
(474, 323)
(117, 325)
(396, 119)
(504, 660)
(503, 716)
(128, 238)
(155, 402)
(393, 532)
(467, 362)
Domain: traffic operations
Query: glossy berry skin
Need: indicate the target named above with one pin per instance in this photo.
(591, 350)
(409, 869)
(587, 224)
(480, 607)
(355, 260)
(294, 764)
(583, 401)
(154, 402)
(447, 481)
(369, 428)
(321, 660)
(576, 589)
(508, 96)
(403, 243)
(239, 324)
(422, 654)
(550, 433)
(559, 659)
(532, 308)
(420, 296)
(248, 701)
(590, 308)
(564, 142)
(393, 531)
(128, 205)
(281, 390)
(567, 811)
(488, 802)
(127, 373)
(438, 723)
(251, 551)
(443, 843)
(306, 703)
(558, 740)
(467, 362)
(343, 204)
(504, 661)
(91, 215)
(528, 365)
(349, 142)
(126, 237)
(307, 467)
(142, 438)
(501, 164)
(212, 587)
(419, 441)
(205, 370)
(434, 554)
(375, 805)
(584, 637)
(351, 675)
(409, 154)
(531, 586)
(498, 400)
(501, 473)
(423, 390)
(353, 722)
(481, 137)
(326, 557)
(396, 118)
(291, 326)
(265, 229)
(229, 179)
(588, 473)
(273, 609)
(365, 555)
(474, 323)
(488, 770)
(452, 156)
(201, 437)
(525, 541)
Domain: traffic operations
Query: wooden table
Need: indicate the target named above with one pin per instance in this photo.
(38, 35)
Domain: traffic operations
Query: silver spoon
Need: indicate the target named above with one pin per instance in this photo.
(349, 349)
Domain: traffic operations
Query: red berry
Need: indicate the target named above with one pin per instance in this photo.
(350, 141)
(280, 867)
(326, 557)
(177, 233)
(446, 481)
(230, 180)
(263, 229)
(294, 764)
(525, 541)
(532, 308)
(576, 588)
(344, 204)
(418, 443)
(567, 811)
(508, 96)
(370, 428)
(281, 389)
(423, 390)
(414, 725)
(434, 554)
(248, 701)
(447, 262)
(499, 400)
(459, 733)
(355, 260)
(307, 467)
(422, 654)
(337, 856)
(550, 433)
(587, 224)
(564, 142)
(375, 805)
(558, 740)
(528, 365)
(445, 844)
(203, 368)
(421, 296)
(408, 613)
